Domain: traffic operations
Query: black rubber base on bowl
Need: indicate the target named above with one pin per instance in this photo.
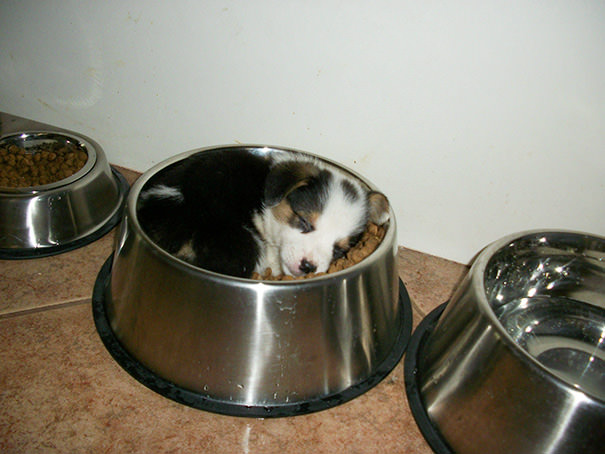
(429, 431)
(203, 402)
(34, 253)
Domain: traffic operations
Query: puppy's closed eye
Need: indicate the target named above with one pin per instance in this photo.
(304, 224)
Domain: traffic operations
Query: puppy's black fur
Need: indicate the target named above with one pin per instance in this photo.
(226, 189)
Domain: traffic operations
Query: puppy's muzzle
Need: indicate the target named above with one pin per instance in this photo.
(307, 267)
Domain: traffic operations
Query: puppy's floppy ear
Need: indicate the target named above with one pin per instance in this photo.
(285, 177)
(378, 208)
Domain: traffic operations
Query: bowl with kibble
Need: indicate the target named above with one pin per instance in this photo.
(57, 193)
(266, 346)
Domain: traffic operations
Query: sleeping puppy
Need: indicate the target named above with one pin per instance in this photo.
(235, 212)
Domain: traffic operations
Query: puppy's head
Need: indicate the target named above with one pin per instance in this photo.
(315, 214)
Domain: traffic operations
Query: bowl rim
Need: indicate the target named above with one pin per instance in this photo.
(477, 276)
(130, 213)
(90, 149)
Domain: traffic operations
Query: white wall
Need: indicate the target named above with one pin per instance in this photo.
(476, 118)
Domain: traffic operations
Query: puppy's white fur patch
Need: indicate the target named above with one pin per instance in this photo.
(162, 191)
(186, 252)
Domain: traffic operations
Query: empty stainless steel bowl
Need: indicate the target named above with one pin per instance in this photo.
(516, 362)
(244, 347)
(50, 218)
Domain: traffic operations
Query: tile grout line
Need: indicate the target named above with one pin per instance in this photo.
(50, 307)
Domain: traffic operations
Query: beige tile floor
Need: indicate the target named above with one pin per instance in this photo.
(60, 390)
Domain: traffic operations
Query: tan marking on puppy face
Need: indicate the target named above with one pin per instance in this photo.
(284, 214)
(312, 216)
(343, 244)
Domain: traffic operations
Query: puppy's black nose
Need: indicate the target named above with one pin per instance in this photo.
(306, 266)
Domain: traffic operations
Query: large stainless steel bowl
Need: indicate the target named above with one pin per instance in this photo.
(245, 347)
(51, 218)
(516, 362)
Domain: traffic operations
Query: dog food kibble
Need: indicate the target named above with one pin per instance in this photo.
(44, 164)
(368, 243)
